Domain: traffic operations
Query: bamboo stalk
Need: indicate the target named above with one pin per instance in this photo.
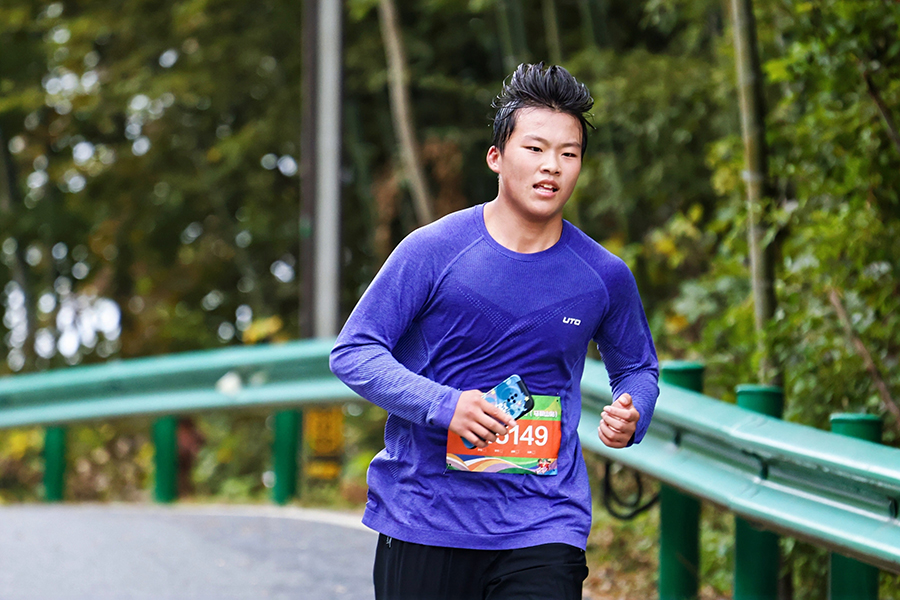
(401, 111)
(551, 27)
(517, 30)
(587, 23)
(750, 87)
(510, 60)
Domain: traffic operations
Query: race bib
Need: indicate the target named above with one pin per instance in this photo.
(532, 447)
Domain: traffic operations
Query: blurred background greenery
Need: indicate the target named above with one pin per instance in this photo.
(150, 200)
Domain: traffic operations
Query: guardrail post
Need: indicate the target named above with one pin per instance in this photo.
(851, 579)
(54, 463)
(679, 514)
(284, 449)
(756, 552)
(165, 441)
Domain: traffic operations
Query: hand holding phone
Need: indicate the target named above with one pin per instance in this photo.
(511, 396)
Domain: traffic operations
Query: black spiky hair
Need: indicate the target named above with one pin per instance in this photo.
(534, 86)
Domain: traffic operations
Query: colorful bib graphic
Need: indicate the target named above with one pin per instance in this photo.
(532, 447)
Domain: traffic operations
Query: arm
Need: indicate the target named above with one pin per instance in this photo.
(626, 345)
(365, 355)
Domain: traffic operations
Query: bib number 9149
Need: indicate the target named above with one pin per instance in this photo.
(531, 435)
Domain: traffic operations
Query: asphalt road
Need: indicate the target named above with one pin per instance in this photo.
(125, 552)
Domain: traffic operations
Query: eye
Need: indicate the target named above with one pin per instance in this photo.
(533, 148)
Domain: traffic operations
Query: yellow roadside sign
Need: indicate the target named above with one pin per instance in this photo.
(323, 430)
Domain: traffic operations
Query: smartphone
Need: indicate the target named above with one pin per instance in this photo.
(512, 396)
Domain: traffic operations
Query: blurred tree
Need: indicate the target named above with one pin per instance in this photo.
(160, 162)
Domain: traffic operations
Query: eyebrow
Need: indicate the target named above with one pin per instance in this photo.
(538, 138)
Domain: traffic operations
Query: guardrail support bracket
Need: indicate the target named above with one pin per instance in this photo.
(756, 552)
(54, 463)
(165, 441)
(679, 514)
(849, 578)
(284, 450)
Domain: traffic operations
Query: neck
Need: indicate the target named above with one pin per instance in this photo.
(519, 234)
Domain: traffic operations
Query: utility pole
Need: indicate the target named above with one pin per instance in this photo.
(317, 433)
(320, 168)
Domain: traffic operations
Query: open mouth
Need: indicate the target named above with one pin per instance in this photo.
(545, 186)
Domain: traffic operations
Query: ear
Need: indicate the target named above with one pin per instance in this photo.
(494, 159)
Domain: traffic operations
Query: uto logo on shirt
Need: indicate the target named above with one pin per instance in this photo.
(571, 321)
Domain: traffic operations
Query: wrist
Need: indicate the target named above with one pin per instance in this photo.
(441, 412)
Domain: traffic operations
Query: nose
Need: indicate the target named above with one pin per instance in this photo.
(551, 164)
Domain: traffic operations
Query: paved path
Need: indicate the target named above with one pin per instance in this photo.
(125, 552)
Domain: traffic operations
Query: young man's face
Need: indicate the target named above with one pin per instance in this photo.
(540, 164)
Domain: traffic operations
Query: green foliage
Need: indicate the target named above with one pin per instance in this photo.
(235, 454)
(21, 465)
(106, 462)
(716, 551)
(835, 220)
(623, 555)
(109, 462)
(167, 151)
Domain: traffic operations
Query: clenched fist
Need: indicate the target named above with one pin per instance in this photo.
(619, 422)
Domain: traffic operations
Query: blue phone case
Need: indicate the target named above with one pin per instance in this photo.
(512, 396)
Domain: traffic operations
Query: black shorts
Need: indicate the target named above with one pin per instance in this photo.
(406, 571)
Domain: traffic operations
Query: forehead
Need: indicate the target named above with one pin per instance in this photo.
(542, 121)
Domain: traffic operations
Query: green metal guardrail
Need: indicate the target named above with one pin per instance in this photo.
(282, 376)
(837, 492)
(239, 377)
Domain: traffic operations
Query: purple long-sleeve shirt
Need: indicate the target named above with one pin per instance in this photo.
(453, 310)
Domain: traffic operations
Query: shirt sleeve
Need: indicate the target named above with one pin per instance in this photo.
(626, 347)
(363, 356)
